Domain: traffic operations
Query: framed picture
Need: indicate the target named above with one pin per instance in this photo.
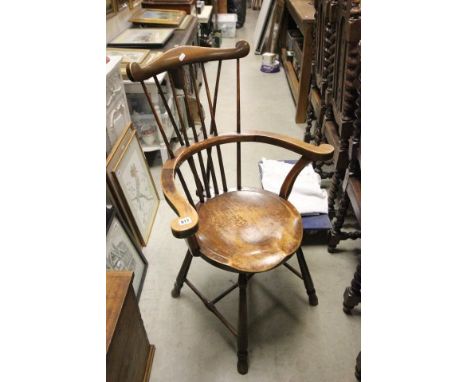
(158, 16)
(112, 196)
(132, 183)
(128, 55)
(146, 128)
(142, 37)
(122, 253)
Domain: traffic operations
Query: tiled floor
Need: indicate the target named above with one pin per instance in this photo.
(289, 340)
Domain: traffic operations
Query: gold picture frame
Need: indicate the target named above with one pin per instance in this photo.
(155, 16)
(132, 185)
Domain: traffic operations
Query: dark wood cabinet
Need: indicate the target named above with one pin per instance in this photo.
(129, 355)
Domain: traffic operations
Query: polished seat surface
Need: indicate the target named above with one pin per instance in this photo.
(248, 230)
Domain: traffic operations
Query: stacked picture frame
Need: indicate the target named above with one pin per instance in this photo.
(114, 6)
(122, 251)
(131, 185)
(166, 17)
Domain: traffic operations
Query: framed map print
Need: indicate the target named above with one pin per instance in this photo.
(122, 253)
(134, 185)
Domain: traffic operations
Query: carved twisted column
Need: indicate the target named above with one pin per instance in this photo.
(352, 294)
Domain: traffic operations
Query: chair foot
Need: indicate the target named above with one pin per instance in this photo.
(242, 363)
(175, 292)
(313, 300)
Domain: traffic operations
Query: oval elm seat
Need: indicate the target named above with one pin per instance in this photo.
(248, 231)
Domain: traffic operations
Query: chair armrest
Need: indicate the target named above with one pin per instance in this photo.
(187, 222)
(323, 152)
(290, 179)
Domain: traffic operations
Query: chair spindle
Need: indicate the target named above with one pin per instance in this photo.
(238, 130)
(163, 134)
(214, 128)
(191, 162)
(158, 121)
(191, 123)
(210, 167)
(168, 109)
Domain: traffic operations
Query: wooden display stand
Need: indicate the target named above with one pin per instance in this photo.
(302, 13)
(129, 354)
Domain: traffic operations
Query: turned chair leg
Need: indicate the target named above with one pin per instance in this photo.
(335, 233)
(182, 275)
(352, 294)
(308, 283)
(242, 335)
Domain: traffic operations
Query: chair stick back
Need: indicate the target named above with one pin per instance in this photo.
(183, 66)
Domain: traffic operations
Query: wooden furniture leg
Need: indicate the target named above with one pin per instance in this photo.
(242, 335)
(308, 283)
(352, 294)
(357, 371)
(335, 233)
(182, 274)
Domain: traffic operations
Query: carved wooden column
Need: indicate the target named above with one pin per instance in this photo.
(352, 294)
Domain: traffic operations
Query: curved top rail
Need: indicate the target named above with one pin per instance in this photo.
(182, 55)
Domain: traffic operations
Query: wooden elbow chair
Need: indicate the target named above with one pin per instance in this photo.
(240, 230)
